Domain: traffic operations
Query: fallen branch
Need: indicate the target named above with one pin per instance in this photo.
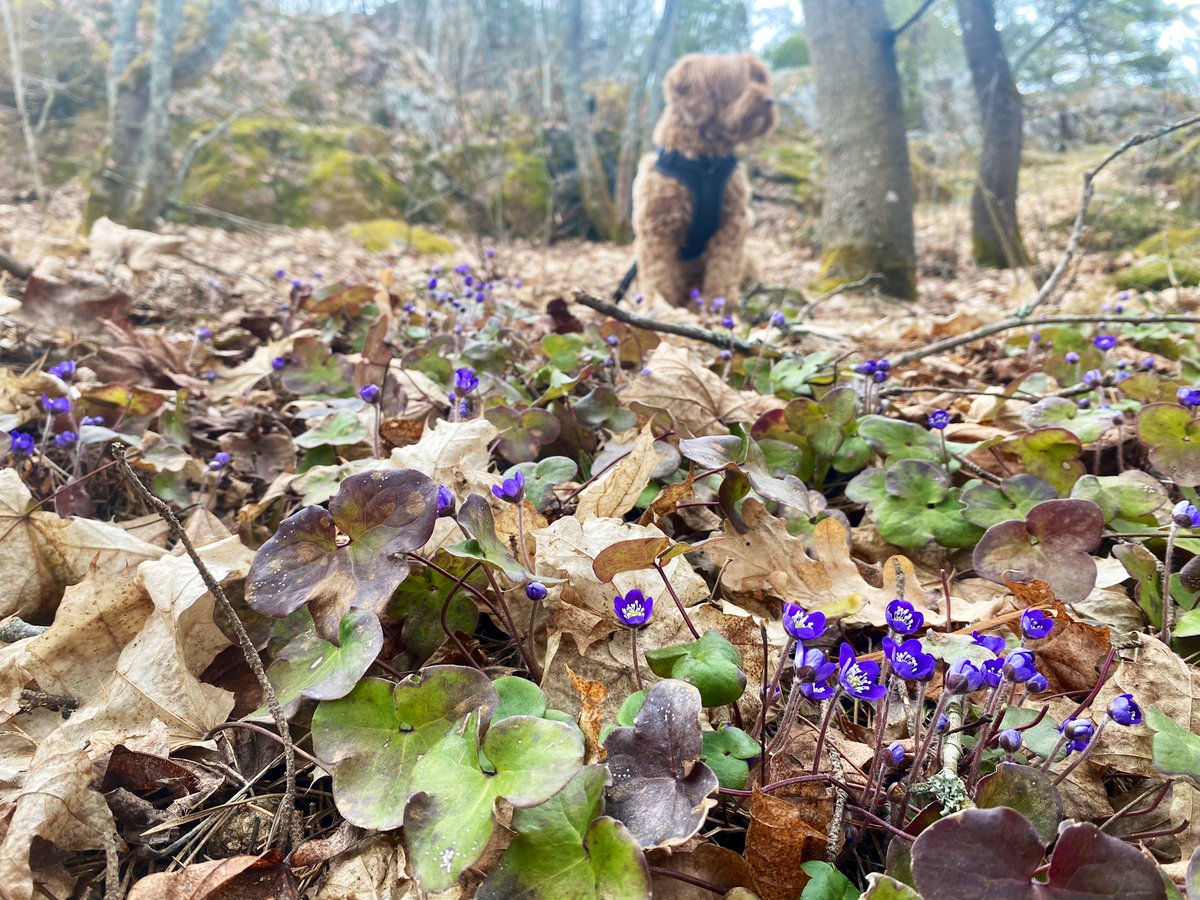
(286, 824)
(13, 267)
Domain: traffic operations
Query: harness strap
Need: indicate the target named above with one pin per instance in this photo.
(705, 178)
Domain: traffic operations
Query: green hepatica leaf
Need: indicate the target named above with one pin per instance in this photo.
(541, 477)
(418, 602)
(562, 851)
(522, 434)
(1051, 454)
(1029, 791)
(988, 504)
(1086, 424)
(721, 450)
(994, 853)
(600, 407)
(384, 514)
(342, 428)
(712, 665)
(449, 820)
(726, 751)
(894, 439)
(826, 883)
(1041, 738)
(660, 789)
(476, 517)
(313, 371)
(375, 734)
(518, 697)
(1173, 438)
(563, 350)
(309, 667)
(1131, 495)
(884, 887)
(1053, 544)
(913, 503)
(1176, 750)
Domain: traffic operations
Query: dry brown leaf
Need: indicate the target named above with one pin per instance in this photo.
(236, 878)
(110, 243)
(614, 493)
(717, 865)
(767, 566)
(778, 842)
(57, 804)
(40, 553)
(374, 871)
(591, 718)
(667, 502)
(455, 454)
(697, 398)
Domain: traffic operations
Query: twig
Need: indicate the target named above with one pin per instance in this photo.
(912, 20)
(1045, 35)
(841, 289)
(833, 836)
(112, 867)
(286, 826)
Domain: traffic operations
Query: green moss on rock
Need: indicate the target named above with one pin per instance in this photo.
(1179, 241)
(1154, 274)
(525, 194)
(379, 235)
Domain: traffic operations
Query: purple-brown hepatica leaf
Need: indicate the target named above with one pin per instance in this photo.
(660, 789)
(382, 515)
(1053, 544)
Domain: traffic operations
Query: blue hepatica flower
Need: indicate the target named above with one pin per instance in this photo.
(1185, 515)
(939, 419)
(1070, 357)
(902, 617)
(895, 754)
(778, 319)
(1078, 733)
(1019, 665)
(909, 660)
(1189, 397)
(991, 642)
(369, 393)
(992, 670)
(1009, 740)
(536, 591)
(465, 380)
(1104, 341)
(220, 460)
(633, 610)
(1038, 684)
(1035, 624)
(20, 443)
(859, 679)
(56, 405)
(65, 439)
(801, 625)
(812, 666)
(511, 489)
(64, 370)
(445, 501)
(963, 677)
(1123, 710)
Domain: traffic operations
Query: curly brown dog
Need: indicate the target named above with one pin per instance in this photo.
(691, 199)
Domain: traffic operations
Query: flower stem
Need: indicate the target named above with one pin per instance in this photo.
(830, 707)
(785, 720)
(637, 669)
(679, 603)
(1168, 609)
(521, 536)
(769, 692)
(1083, 754)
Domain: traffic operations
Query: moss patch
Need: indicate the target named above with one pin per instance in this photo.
(845, 263)
(525, 194)
(379, 235)
(1155, 275)
(1182, 241)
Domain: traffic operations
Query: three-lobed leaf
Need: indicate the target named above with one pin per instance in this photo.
(711, 664)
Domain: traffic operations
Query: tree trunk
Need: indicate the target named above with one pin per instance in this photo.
(634, 127)
(597, 199)
(995, 234)
(131, 181)
(18, 82)
(866, 219)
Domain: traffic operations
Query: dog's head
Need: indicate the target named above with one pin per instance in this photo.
(726, 98)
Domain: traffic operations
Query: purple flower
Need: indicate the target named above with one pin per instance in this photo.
(536, 591)
(1037, 684)
(1104, 341)
(993, 670)
(1185, 515)
(1124, 710)
(1071, 357)
(991, 642)
(939, 419)
(468, 281)
(895, 754)
(465, 380)
(909, 659)
(725, 355)
(778, 319)
(489, 253)
(280, 273)
(432, 284)
(445, 501)
(612, 340)
(512, 489)
(279, 363)
(370, 393)
(64, 370)
(1009, 740)
(902, 617)
(883, 366)
(801, 625)
(204, 333)
(409, 308)
(859, 679)
(462, 269)
(640, 298)
(1035, 624)
(1148, 363)
(727, 321)
(1019, 665)
(220, 460)
(634, 609)
(718, 304)
(1078, 733)
(816, 691)
(56, 405)
(20, 443)
(480, 297)
(941, 724)
(963, 677)
(867, 368)
(517, 283)
(694, 293)
(65, 439)
(1189, 397)
(210, 376)
(1093, 378)
(92, 420)
(812, 666)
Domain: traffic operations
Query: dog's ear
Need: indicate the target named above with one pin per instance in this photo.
(756, 69)
(678, 83)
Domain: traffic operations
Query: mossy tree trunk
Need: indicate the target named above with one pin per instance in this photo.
(995, 234)
(866, 218)
(656, 59)
(593, 181)
(130, 183)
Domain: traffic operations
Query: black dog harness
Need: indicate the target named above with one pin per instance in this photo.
(705, 177)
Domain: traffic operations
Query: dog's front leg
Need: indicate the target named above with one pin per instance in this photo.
(661, 270)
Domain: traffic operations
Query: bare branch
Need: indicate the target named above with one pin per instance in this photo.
(1045, 35)
(912, 20)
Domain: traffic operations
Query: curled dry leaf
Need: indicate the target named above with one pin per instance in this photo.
(614, 493)
(697, 399)
(239, 876)
(450, 452)
(778, 842)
